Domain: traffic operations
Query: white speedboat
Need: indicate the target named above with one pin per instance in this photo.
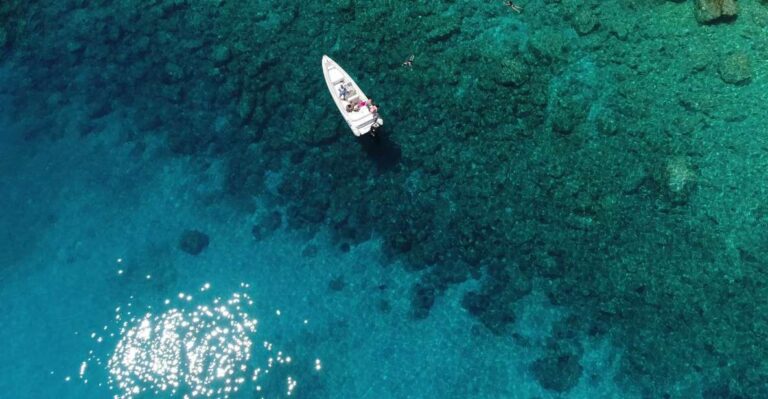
(356, 108)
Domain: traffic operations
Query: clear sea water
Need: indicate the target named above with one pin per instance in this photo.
(89, 231)
(566, 132)
(90, 234)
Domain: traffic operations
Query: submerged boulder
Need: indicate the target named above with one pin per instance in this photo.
(548, 45)
(422, 298)
(558, 372)
(736, 69)
(711, 11)
(679, 179)
(267, 225)
(193, 242)
(513, 73)
(172, 73)
(585, 21)
(221, 54)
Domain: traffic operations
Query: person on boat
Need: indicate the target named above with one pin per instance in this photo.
(343, 92)
(352, 106)
(373, 108)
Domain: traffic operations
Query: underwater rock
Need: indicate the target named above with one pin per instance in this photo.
(736, 69)
(442, 28)
(267, 225)
(173, 73)
(494, 304)
(310, 251)
(3, 37)
(100, 107)
(679, 179)
(495, 313)
(343, 6)
(148, 121)
(384, 306)
(337, 284)
(567, 113)
(318, 134)
(193, 242)
(221, 55)
(245, 107)
(557, 372)
(607, 123)
(422, 299)
(244, 176)
(475, 303)
(171, 6)
(711, 11)
(551, 263)
(718, 392)
(547, 46)
(228, 88)
(112, 33)
(448, 273)
(513, 73)
(585, 21)
(311, 212)
(189, 142)
(74, 46)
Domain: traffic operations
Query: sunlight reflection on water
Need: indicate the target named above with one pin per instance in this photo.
(189, 350)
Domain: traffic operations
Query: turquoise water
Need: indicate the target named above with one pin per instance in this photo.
(78, 297)
(565, 200)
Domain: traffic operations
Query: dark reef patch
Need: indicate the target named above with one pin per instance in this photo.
(193, 242)
(557, 372)
(267, 225)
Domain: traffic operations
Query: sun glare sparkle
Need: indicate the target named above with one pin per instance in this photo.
(291, 385)
(203, 351)
(200, 349)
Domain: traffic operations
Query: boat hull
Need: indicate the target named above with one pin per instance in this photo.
(350, 99)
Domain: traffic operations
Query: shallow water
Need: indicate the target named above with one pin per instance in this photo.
(106, 260)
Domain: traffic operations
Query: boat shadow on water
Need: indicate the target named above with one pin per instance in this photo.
(383, 151)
